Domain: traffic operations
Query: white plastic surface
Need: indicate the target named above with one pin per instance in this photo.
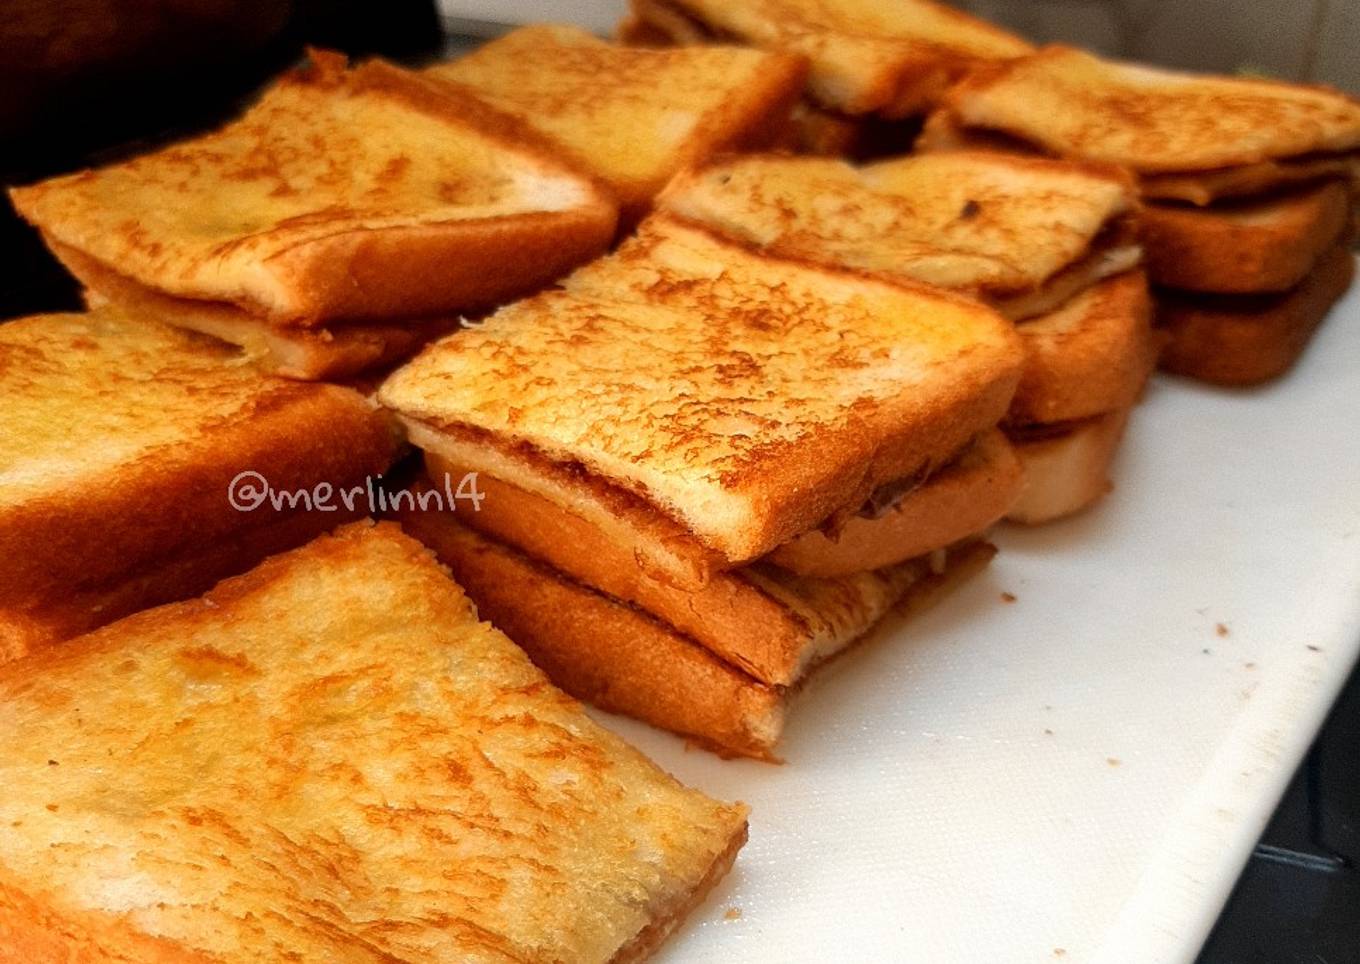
(1078, 775)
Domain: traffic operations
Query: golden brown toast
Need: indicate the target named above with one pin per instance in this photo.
(1023, 234)
(1072, 104)
(1067, 468)
(1250, 339)
(768, 623)
(119, 439)
(893, 59)
(362, 194)
(962, 499)
(741, 397)
(1260, 245)
(624, 660)
(633, 117)
(331, 758)
(1092, 356)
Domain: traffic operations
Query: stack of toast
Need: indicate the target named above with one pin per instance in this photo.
(1249, 188)
(875, 70)
(707, 470)
(1050, 244)
(346, 218)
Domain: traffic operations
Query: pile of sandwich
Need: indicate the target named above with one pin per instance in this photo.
(684, 371)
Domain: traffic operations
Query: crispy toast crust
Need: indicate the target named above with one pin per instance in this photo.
(818, 386)
(1068, 472)
(963, 499)
(1265, 245)
(357, 256)
(283, 724)
(1091, 356)
(192, 417)
(1248, 340)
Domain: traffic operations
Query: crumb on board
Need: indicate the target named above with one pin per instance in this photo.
(1008, 597)
(1207, 651)
(733, 913)
(1113, 761)
(1249, 665)
(1059, 952)
(1048, 732)
(1314, 649)
(1221, 629)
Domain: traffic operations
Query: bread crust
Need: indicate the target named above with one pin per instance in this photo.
(962, 499)
(1263, 245)
(1068, 472)
(1249, 340)
(1092, 356)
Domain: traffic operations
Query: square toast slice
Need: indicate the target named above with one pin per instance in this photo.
(119, 442)
(341, 195)
(633, 117)
(743, 398)
(331, 758)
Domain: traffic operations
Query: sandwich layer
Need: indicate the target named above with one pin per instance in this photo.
(1258, 245)
(963, 499)
(632, 117)
(744, 397)
(363, 194)
(122, 437)
(624, 660)
(1247, 180)
(1246, 340)
(1091, 356)
(331, 758)
(1067, 467)
(893, 59)
(1063, 100)
(994, 226)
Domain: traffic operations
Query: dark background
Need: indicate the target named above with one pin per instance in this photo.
(86, 81)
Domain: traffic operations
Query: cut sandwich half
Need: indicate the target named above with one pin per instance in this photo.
(632, 117)
(895, 59)
(370, 197)
(1067, 466)
(122, 444)
(331, 758)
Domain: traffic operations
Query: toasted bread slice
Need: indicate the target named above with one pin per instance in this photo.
(332, 758)
(1067, 468)
(744, 398)
(626, 661)
(1091, 356)
(633, 117)
(310, 354)
(341, 195)
(1250, 339)
(766, 622)
(891, 59)
(1020, 233)
(1072, 104)
(1261, 245)
(120, 438)
(963, 499)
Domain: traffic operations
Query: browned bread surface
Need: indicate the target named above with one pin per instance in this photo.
(962, 499)
(745, 397)
(119, 439)
(1259, 245)
(1067, 471)
(1073, 104)
(331, 758)
(1091, 356)
(632, 116)
(1247, 340)
(341, 194)
(895, 59)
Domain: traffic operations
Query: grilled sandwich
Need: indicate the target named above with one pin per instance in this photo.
(119, 443)
(1248, 183)
(1051, 244)
(632, 117)
(682, 415)
(331, 758)
(345, 218)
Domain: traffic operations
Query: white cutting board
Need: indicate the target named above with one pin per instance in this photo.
(1081, 774)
